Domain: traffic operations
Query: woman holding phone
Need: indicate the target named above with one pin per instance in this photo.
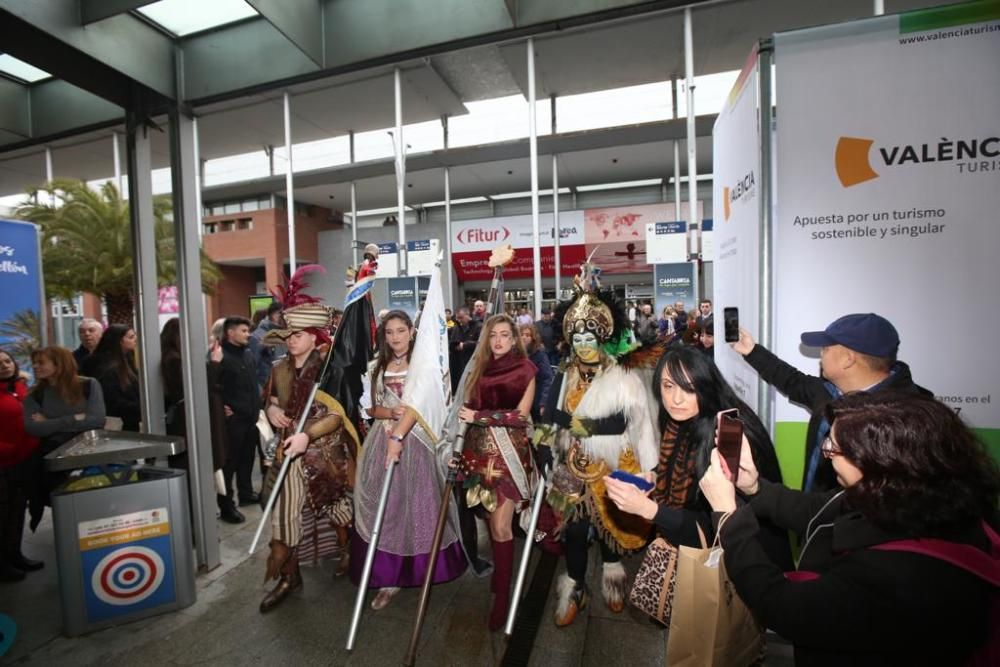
(692, 393)
(911, 474)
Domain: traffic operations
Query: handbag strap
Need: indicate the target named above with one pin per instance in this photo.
(969, 558)
(718, 532)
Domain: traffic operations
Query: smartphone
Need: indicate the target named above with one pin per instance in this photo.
(731, 320)
(634, 480)
(730, 439)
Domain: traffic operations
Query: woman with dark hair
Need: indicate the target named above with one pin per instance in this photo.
(113, 365)
(496, 463)
(532, 341)
(404, 545)
(692, 392)
(16, 450)
(910, 470)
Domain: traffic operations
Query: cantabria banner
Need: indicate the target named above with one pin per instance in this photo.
(888, 199)
(736, 235)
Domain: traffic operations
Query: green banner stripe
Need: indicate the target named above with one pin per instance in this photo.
(790, 444)
(952, 15)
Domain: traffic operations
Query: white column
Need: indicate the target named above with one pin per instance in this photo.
(400, 146)
(187, 215)
(144, 292)
(58, 303)
(677, 180)
(354, 207)
(557, 238)
(691, 147)
(289, 184)
(198, 168)
(536, 254)
(446, 266)
(879, 7)
(116, 155)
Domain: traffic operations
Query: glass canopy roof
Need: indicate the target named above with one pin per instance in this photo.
(21, 70)
(183, 17)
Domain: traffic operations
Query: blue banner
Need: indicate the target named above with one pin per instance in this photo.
(673, 283)
(403, 295)
(21, 285)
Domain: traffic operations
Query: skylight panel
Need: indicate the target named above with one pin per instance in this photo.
(21, 70)
(183, 17)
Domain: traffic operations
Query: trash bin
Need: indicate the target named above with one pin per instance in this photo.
(122, 530)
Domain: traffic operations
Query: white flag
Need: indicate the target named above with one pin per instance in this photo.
(428, 382)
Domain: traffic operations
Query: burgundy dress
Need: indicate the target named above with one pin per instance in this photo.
(499, 437)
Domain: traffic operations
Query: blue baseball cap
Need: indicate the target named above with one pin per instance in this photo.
(866, 333)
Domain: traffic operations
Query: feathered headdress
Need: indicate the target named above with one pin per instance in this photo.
(596, 310)
(292, 293)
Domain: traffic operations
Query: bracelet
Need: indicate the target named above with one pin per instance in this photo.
(397, 438)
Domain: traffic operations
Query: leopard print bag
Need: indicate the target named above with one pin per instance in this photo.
(653, 588)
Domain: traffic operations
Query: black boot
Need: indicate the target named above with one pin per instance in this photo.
(22, 562)
(228, 511)
(9, 573)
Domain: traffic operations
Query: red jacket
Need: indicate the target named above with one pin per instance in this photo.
(15, 444)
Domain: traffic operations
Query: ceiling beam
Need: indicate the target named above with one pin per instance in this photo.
(92, 11)
(512, 10)
(457, 157)
(120, 58)
(300, 21)
(15, 106)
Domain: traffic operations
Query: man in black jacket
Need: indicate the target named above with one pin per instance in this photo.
(462, 341)
(857, 353)
(242, 407)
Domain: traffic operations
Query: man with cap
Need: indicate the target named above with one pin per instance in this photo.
(857, 353)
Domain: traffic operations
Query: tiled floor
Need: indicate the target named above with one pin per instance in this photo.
(224, 627)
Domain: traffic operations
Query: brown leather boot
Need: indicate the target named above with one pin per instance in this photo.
(283, 564)
(344, 540)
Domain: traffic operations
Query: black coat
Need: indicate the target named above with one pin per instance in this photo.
(468, 335)
(238, 379)
(867, 607)
(811, 393)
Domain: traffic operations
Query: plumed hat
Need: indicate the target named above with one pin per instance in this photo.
(302, 312)
(595, 310)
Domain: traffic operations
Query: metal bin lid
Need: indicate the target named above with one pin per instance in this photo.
(99, 447)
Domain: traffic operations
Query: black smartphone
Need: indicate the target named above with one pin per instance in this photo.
(729, 429)
(731, 320)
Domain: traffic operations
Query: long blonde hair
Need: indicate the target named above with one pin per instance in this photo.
(483, 357)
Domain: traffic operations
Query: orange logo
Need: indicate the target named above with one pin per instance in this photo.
(725, 202)
(851, 161)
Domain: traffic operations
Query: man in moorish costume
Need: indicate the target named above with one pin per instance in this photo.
(314, 508)
(599, 422)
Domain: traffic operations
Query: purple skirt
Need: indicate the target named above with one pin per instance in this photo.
(405, 571)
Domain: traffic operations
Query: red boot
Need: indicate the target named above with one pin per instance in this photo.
(503, 564)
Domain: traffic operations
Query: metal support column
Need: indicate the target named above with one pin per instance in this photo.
(536, 254)
(144, 292)
(766, 252)
(879, 7)
(449, 270)
(199, 180)
(117, 156)
(557, 232)
(57, 303)
(187, 221)
(677, 152)
(692, 216)
(289, 184)
(354, 204)
(400, 171)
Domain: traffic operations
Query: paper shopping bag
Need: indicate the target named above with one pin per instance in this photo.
(709, 625)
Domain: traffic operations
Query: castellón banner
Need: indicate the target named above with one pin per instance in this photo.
(888, 192)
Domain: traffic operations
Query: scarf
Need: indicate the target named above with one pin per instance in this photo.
(675, 471)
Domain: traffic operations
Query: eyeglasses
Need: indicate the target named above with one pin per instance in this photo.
(829, 448)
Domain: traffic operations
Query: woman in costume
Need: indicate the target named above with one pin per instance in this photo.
(405, 541)
(496, 464)
(314, 509)
(598, 420)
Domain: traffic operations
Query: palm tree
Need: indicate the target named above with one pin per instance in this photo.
(21, 335)
(87, 243)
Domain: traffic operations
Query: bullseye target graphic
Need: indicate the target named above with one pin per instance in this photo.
(127, 575)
